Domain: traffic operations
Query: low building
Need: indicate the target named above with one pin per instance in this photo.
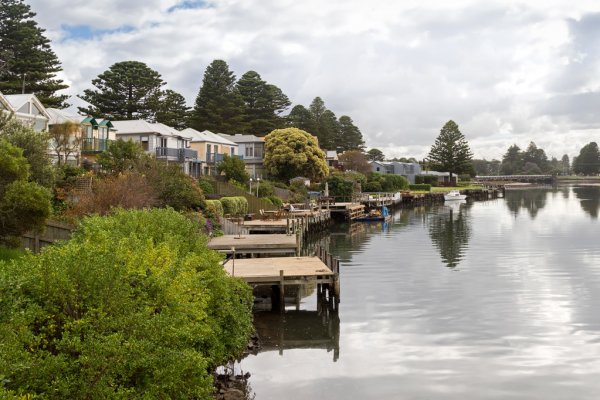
(331, 157)
(407, 170)
(443, 178)
(27, 109)
(252, 150)
(162, 141)
(211, 148)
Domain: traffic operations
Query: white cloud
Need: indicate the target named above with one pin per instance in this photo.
(506, 72)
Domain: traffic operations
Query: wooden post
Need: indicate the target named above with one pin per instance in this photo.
(281, 292)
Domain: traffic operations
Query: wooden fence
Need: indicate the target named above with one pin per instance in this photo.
(54, 231)
(255, 204)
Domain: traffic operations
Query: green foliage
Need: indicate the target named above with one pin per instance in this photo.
(127, 90)
(388, 182)
(420, 187)
(214, 209)
(427, 179)
(375, 155)
(292, 152)
(219, 106)
(235, 205)
(276, 201)
(350, 136)
(31, 65)
(35, 149)
(450, 152)
(205, 185)
(340, 187)
(172, 110)
(121, 155)
(265, 189)
(134, 306)
(588, 160)
(355, 160)
(374, 186)
(7, 254)
(174, 188)
(234, 169)
(24, 205)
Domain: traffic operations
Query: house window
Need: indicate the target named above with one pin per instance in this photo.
(377, 169)
(163, 142)
(209, 148)
(233, 151)
(258, 151)
(249, 151)
(145, 143)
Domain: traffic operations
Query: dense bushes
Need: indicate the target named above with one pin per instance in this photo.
(428, 179)
(339, 187)
(206, 187)
(214, 209)
(420, 187)
(388, 182)
(276, 201)
(237, 205)
(134, 306)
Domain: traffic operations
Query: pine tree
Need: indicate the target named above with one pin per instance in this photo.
(28, 63)
(127, 90)
(588, 160)
(326, 126)
(301, 118)
(172, 110)
(350, 136)
(219, 106)
(451, 152)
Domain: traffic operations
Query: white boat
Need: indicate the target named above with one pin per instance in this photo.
(454, 195)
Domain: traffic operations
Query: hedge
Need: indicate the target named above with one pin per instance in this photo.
(426, 179)
(237, 205)
(214, 208)
(420, 186)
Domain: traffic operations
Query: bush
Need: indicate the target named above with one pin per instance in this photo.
(420, 187)
(372, 187)
(276, 201)
(134, 306)
(234, 169)
(388, 182)
(339, 188)
(206, 187)
(428, 179)
(237, 205)
(214, 209)
(265, 189)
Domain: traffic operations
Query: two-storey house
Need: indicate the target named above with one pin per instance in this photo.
(164, 142)
(27, 109)
(211, 148)
(252, 149)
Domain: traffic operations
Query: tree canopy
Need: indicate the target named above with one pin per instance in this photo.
(172, 110)
(375, 155)
(355, 160)
(588, 160)
(292, 152)
(234, 168)
(450, 152)
(127, 90)
(30, 65)
(219, 106)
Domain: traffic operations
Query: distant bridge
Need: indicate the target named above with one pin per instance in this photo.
(498, 179)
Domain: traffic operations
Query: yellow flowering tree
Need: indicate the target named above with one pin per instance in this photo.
(293, 152)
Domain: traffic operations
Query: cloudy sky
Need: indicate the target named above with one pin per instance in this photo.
(506, 71)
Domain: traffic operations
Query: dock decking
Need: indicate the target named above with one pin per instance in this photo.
(255, 244)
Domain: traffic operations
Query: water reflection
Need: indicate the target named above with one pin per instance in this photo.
(589, 199)
(450, 231)
(531, 200)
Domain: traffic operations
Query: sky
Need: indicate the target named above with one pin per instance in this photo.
(505, 71)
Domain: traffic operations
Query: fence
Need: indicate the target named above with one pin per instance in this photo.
(54, 231)
(255, 204)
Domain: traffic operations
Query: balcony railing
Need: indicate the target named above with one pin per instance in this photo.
(173, 153)
(94, 145)
(213, 158)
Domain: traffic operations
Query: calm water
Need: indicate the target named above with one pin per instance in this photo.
(490, 300)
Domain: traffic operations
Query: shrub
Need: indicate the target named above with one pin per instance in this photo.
(214, 209)
(134, 306)
(372, 187)
(234, 168)
(237, 205)
(420, 186)
(428, 179)
(265, 189)
(276, 201)
(206, 187)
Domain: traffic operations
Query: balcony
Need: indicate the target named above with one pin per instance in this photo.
(213, 158)
(94, 145)
(170, 153)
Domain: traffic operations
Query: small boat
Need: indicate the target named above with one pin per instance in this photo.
(375, 215)
(454, 195)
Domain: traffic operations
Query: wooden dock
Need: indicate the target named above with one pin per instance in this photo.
(348, 211)
(256, 244)
(375, 200)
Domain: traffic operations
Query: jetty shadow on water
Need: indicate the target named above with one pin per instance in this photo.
(450, 231)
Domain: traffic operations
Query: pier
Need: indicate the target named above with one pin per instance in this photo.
(256, 245)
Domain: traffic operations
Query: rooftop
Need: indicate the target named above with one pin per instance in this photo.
(141, 126)
(239, 138)
(207, 136)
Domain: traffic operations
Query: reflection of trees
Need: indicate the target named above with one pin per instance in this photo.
(532, 200)
(450, 231)
(589, 199)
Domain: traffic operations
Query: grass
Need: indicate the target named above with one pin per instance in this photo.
(7, 254)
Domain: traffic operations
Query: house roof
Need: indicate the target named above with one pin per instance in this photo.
(207, 136)
(5, 102)
(18, 100)
(60, 117)
(238, 138)
(141, 126)
(332, 155)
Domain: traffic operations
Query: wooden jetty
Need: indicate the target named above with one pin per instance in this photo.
(347, 211)
(253, 245)
(289, 271)
(303, 222)
(373, 200)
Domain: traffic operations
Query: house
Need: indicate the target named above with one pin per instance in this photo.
(407, 170)
(211, 148)
(93, 138)
(164, 142)
(252, 149)
(331, 157)
(27, 109)
(442, 177)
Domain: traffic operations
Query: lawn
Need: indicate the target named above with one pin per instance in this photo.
(7, 254)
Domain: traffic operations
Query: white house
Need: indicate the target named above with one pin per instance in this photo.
(164, 142)
(27, 109)
(211, 148)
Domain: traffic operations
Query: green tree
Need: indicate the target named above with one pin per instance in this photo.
(301, 118)
(172, 110)
(219, 106)
(355, 160)
(121, 155)
(134, 306)
(24, 205)
(234, 169)
(263, 104)
(30, 66)
(35, 149)
(127, 90)
(588, 160)
(512, 161)
(350, 136)
(451, 152)
(375, 155)
(536, 156)
(292, 152)
(565, 165)
(325, 124)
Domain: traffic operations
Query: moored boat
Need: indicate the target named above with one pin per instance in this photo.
(454, 195)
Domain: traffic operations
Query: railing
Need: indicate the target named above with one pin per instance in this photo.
(94, 145)
(179, 154)
(213, 158)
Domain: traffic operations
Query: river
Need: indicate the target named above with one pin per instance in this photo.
(497, 299)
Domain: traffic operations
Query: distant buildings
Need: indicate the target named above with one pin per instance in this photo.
(407, 170)
(211, 148)
(252, 150)
(27, 109)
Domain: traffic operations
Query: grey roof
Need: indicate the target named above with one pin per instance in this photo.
(140, 126)
(18, 100)
(238, 138)
(59, 117)
(207, 136)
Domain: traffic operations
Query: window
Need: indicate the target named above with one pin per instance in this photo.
(377, 169)
(145, 143)
(35, 110)
(88, 131)
(163, 142)
(258, 150)
(249, 151)
(233, 151)
(209, 148)
(24, 108)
